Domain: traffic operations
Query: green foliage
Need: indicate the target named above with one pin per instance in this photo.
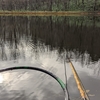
(55, 7)
(45, 5)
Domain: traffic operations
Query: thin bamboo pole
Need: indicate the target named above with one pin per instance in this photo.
(79, 83)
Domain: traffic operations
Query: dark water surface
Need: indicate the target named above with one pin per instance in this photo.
(43, 42)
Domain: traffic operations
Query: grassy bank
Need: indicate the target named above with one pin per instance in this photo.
(48, 13)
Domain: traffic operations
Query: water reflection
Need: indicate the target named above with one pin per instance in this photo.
(77, 34)
(43, 42)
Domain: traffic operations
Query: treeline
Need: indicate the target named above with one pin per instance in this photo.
(77, 34)
(50, 5)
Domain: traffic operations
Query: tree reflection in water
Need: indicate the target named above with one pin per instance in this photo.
(23, 37)
(76, 34)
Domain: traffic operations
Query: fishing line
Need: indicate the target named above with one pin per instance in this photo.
(63, 86)
(66, 77)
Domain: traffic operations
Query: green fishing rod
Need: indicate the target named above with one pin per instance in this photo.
(63, 86)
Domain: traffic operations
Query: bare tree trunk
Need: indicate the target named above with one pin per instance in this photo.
(82, 1)
(68, 4)
(82, 4)
(50, 5)
(3, 5)
(28, 5)
(13, 5)
(95, 5)
(65, 4)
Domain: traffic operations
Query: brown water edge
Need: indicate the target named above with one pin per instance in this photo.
(49, 13)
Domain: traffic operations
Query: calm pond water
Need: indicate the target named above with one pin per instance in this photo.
(44, 42)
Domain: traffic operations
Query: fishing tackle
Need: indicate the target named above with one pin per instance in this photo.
(63, 86)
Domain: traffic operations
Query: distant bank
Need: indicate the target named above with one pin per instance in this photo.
(49, 13)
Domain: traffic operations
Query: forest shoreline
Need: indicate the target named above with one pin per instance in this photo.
(50, 13)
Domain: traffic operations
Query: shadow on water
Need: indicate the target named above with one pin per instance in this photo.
(38, 41)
